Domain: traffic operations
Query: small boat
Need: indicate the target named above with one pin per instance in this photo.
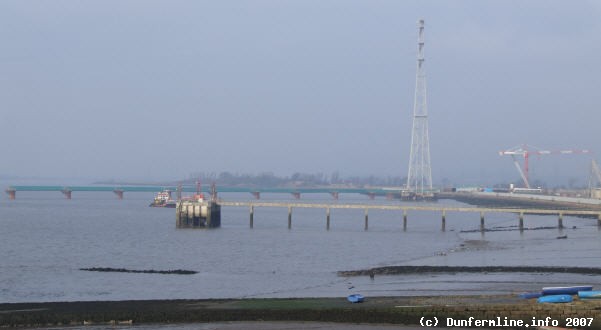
(530, 295)
(555, 290)
(163, 199)
(555, 298)
(355, 298)
(589, 294)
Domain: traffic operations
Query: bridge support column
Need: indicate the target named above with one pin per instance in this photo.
(296, 195)
(252, 215)
(328, 218)
(256, 194)
(482, 222)
(366, 220)
(67, 193)
(119, 193)
(12, 193)
(404, 220)
(560, 221)
(444, 220)
(334, 194)
(521, 221)
(289, 217)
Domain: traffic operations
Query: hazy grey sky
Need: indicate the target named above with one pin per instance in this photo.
(160, 89)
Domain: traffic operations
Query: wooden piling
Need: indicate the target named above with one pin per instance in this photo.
(560, 221)
(599, 220)
(444, 220)
(328, 218)
(252, 215)
(366, 219)
(289, 217)
(404, 220)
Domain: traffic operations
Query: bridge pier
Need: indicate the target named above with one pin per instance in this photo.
(289, 217)
(482, 228)
(366, 219)
(12, 193)
(328, 218)
(444, 220)
(252, 215)
(404, 220)
(521, 224)
(119, 193)
(560, 221)
(334, 194)
(296, 195)
(67, 193)
(256, 194)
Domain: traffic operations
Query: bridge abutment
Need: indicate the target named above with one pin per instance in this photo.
(67, 192)
(119, 193)
(12, 193)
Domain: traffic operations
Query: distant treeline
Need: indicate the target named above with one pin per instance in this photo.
(269, 179)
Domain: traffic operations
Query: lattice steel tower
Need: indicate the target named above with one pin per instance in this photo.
(419, 178)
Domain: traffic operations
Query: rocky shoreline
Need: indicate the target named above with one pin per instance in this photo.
(143, 271)
(399, 270)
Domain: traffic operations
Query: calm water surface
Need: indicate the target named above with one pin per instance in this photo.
(45, 240)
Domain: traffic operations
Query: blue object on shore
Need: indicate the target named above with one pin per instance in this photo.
(589, 294)
(355, 298)
(565, 289)
(530, 295)
(556, 298)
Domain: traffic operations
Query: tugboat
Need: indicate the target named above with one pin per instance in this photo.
(163, 199)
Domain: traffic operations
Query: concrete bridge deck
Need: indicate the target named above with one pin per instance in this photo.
(405, 208)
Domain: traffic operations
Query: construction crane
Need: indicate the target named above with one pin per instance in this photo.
(526, 150)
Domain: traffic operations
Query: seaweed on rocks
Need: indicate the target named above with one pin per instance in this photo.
(398, 270)
(145, 271)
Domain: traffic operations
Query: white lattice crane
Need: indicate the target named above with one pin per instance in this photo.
(526, 150)
(595, 174)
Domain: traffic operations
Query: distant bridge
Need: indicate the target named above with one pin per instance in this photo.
(255, 191)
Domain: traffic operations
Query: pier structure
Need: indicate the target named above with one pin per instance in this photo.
(196, 212)
(406, 208)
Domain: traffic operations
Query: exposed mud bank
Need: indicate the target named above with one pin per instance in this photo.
(398, 270)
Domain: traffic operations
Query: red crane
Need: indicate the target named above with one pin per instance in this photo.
(526, 150)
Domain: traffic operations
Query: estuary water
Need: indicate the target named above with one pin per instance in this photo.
(46, 239)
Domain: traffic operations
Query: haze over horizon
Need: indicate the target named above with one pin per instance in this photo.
(157, 90)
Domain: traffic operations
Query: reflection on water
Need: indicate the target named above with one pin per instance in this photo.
(46, 239)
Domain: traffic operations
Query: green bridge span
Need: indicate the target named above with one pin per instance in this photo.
(256, 191)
